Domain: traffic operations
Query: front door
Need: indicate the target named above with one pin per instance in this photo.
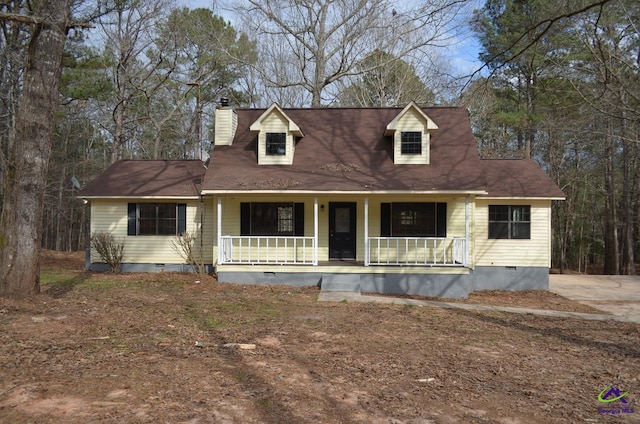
(342, 230)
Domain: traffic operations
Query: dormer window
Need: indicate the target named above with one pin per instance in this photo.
(276, 137)
(410, 132)
(276, 144)
(411, 142)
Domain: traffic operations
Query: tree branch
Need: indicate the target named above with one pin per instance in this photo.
(33, 20)
(546, 25)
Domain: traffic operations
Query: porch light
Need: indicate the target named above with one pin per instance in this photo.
(321, 208)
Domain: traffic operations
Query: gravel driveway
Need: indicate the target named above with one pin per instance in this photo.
(616, 294)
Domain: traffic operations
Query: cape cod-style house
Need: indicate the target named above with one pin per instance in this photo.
(396, 200)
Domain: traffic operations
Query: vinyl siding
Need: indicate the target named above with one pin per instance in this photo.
(411, 121)
(231, 216)
(533, 252)
(418, 252)
(226, 123)
(111, 216)
(275, 123)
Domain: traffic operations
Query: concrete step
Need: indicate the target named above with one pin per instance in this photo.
(340, 283)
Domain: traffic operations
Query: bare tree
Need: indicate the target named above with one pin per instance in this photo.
(28, 157)
(311, 44)
(129, 30)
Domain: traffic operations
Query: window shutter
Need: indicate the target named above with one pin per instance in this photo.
(182, 218)
(298, 215)
(441, 220)
(385, 219)
(132, 219)
(245, 219)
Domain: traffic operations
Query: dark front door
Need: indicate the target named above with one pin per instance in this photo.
(342, 230)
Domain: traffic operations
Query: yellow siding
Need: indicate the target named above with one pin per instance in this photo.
(226, 123)
(533, 252)
(411, 121)
(111, 216)
(231, 217)
(231, 222)
(275, 123)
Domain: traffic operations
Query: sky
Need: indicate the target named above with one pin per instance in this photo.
(463, 54)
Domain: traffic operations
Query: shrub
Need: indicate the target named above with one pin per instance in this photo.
(110, 250)
(184, 245)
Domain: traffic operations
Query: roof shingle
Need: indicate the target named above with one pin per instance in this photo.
(343, 150)
(147, 178)
(346, 150)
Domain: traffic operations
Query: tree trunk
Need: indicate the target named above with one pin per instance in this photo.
(611, 250)
(627, 258)
(26, 174)
(119, 139)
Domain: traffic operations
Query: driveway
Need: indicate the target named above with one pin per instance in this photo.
(616, 294)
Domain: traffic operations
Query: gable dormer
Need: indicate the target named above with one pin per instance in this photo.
(411, 134)
(277, 135)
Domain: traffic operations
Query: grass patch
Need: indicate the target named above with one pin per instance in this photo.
(63, 278)
(206, 319)
(226, 315)
(58, 283)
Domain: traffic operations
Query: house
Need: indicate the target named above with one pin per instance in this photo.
(396, 200)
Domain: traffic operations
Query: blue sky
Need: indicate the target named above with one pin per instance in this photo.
(463, 54)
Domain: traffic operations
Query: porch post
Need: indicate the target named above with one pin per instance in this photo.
(466, 231)
(366, 231)
(219, 229)
(315, 231)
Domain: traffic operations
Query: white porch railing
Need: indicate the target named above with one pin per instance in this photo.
(268, 250)
(416, 251)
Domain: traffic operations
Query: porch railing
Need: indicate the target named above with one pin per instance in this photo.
(416, 251)
(268, 250)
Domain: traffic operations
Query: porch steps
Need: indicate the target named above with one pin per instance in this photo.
(340, 283)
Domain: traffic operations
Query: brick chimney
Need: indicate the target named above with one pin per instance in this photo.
(225, 124)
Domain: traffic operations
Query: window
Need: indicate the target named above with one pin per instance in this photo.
(276, 143)
(509, 222)
(272, 219)
(156, 219)
(413, 219)
(411, 142)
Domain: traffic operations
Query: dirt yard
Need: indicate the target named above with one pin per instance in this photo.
(169, 348)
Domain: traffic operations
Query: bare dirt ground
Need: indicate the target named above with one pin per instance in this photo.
(163, 348)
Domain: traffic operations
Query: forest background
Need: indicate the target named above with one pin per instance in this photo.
(558, 81)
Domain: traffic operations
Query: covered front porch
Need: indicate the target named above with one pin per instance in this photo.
(388, 251)
(342, 232)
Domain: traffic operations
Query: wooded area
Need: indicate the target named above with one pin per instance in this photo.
(559, 86)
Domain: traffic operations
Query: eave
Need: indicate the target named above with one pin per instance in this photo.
(347, 192)
(522, 198)
(141, 197)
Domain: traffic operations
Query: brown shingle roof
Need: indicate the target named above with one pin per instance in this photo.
(141, 178)
(346, 150)
(342, 150)
(518, 178)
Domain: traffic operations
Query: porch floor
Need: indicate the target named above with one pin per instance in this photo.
(341, 262)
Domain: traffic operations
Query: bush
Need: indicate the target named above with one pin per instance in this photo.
(184, 245)
(110, 250)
